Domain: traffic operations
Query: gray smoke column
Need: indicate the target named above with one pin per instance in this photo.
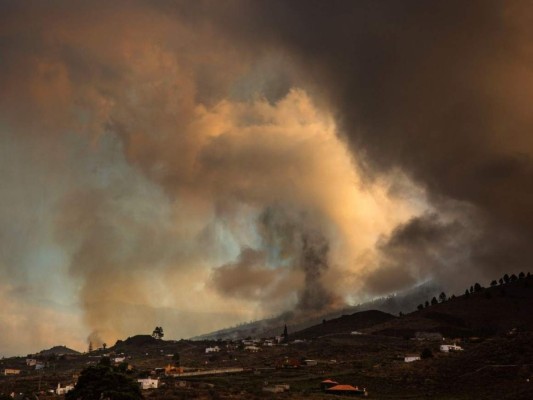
(287, 272)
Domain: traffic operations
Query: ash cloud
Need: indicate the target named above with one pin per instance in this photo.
(262, 157)
(439, 90)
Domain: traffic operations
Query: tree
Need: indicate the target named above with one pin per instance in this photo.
(467, 293)
(285, 334)
(501, 281)
(104, 345)
(513, 278)
(426, 304)
(420, 307)
(103, 382)
(477, 287)
(506, 278)
(434, 301)
(493, 283)
(176, 358)
(426, 353)
(158, 332)
(471, 289)
(442, 297)
(521, 275)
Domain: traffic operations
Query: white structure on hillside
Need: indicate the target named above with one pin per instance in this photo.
(252, 349)
(446, 348)
(148, 383)
(411, 358)
(215, 349)
(63, 390)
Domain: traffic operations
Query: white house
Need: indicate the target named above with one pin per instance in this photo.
(252, 349)
(63, 390)
(31, 362)
(446, 348)
(148, 383)
(411, 358)
(215, 349)
(11, 371)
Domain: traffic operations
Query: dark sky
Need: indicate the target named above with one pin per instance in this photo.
(200, 164)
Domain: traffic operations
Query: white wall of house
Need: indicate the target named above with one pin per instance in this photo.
(148, 383)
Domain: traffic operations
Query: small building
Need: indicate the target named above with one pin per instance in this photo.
(277, 388)
(215, 349)
(148, 383)
(31, 362)
(11, 371)
(328, 383)
(252, 349)
(63, 390)
(118, 360)
(446, 348)
(356, 333)
(411, 358)
(346, 390)
(311, 363)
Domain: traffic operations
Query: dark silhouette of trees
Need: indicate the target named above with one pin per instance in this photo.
(103, 382)
(420, 307)
(471, 289)
(521, 275)
(426, 353)
(467, 293)
(506, 278)
(477, 287)
(493, 283)
(434, 301)
(158, 332)
(426, 304)
(513, 278)
(501, 281)
(442, 297)
(285, 334)
(104, 345)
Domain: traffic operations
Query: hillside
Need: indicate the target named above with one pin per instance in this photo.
(344, 324)
(403, 301)
(58, 351)
(489, 311)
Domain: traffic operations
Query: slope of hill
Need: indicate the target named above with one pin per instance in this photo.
(404, 301)
(344, 324)
(489, 311)
(58, 351)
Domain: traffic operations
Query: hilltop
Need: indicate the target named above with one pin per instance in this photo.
(345, 324)
(299, 320)
(58, 351)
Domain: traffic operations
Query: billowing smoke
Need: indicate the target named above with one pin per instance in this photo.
(198, 165)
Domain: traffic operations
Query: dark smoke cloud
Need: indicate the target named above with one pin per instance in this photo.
(440, 90)
(155, 146)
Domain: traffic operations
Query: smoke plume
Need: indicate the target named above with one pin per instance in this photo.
(196, 165)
